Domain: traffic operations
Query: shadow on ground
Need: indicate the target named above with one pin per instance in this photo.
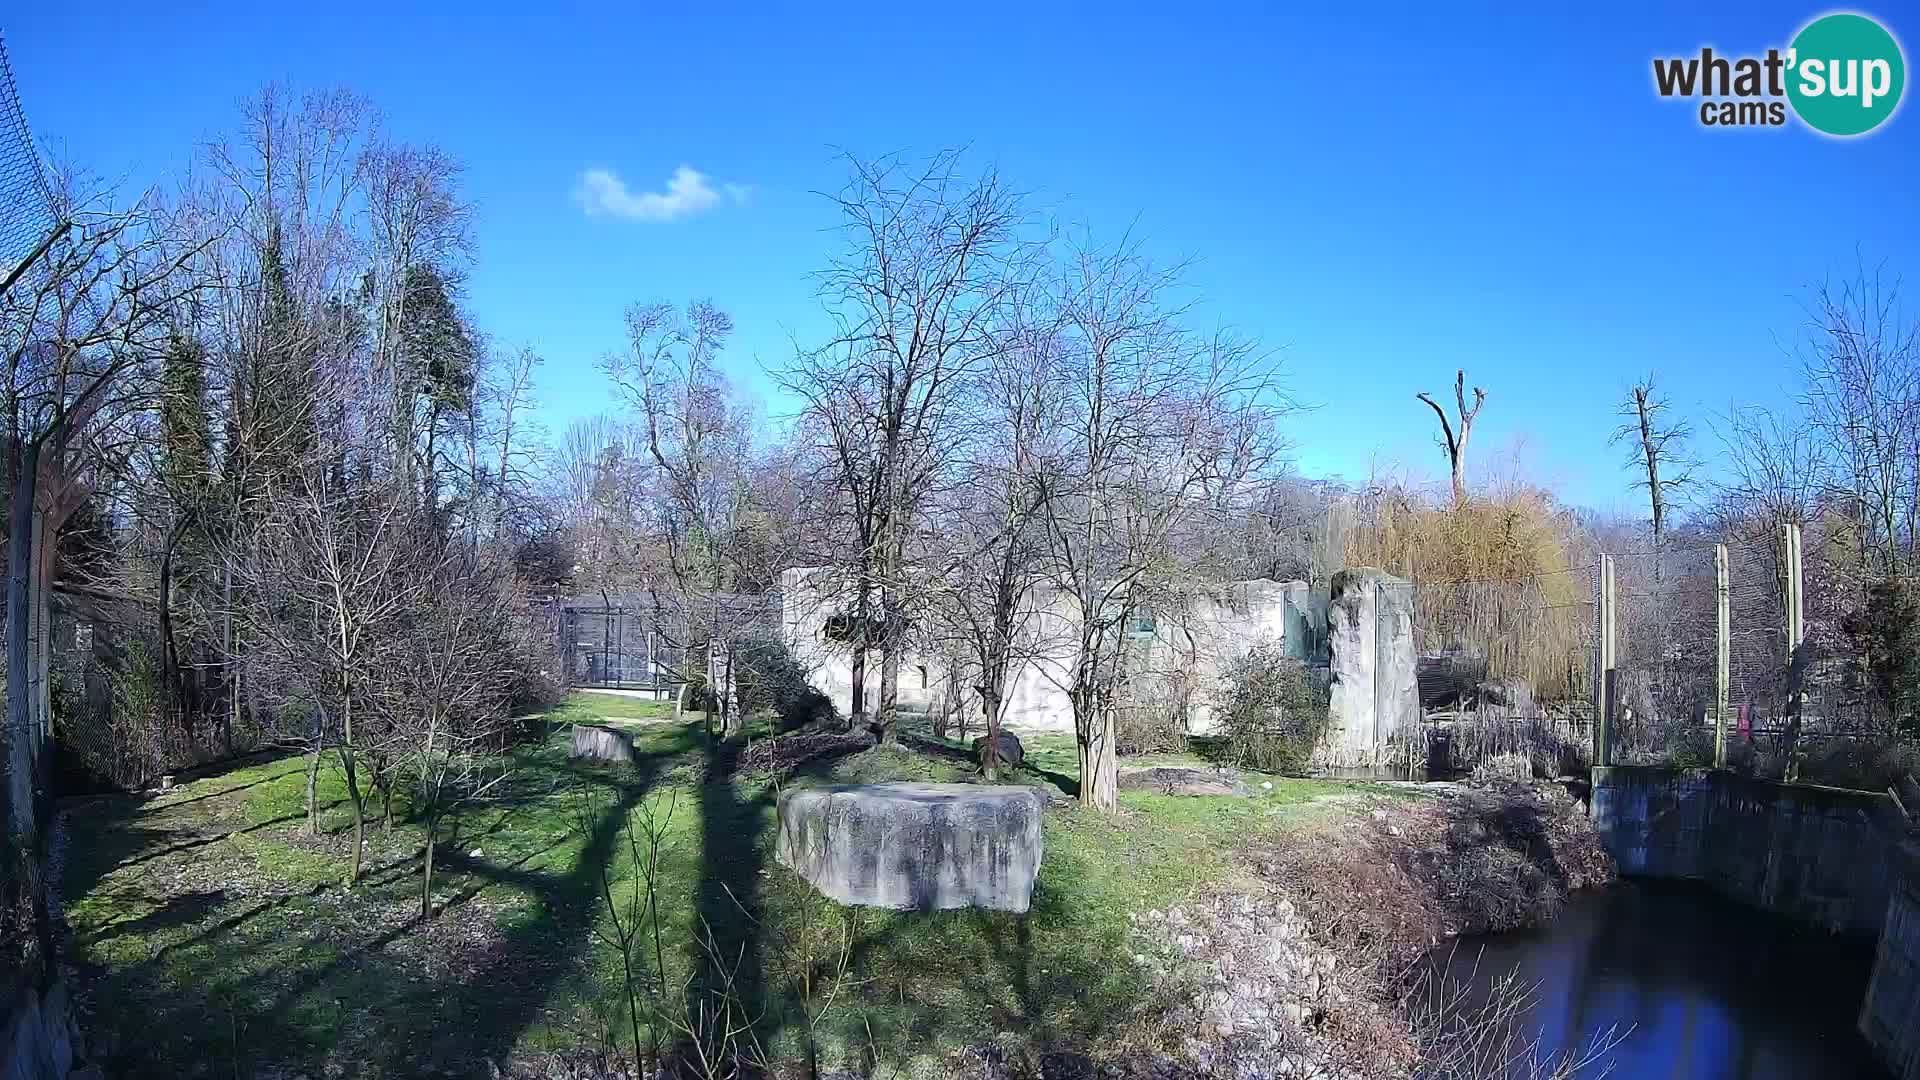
(196, 957)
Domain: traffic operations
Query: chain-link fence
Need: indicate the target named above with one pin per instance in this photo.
(1511, 668)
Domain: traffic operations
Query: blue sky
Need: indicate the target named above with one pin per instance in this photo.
(1380, 196)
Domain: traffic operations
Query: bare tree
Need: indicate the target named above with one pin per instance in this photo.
(931, 257)
(445, 681)
(83, 323)
(327, 578)
(1453, 442)
(1861, 362)
(1658, 451)
(1161, 429)
(993, 565)
(697, 434)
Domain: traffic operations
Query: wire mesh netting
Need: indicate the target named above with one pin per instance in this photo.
(1666, 646)
(1781, 702)
(619, 648)
(653, 642)
(26, 199)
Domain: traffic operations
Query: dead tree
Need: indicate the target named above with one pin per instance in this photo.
(1455, 443)
(1657, 451)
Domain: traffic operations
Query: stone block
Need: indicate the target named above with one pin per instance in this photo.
(596, 742)
(916, 847)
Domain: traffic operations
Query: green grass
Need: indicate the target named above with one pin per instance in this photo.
(218, 937)
(588, 707)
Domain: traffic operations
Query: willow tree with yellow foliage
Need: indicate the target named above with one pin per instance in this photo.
(1503, 575)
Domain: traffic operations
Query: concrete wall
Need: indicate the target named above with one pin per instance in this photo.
(37, 1034)
(1822, 855)
(1375, 694)
(1890, 1015)
(1198, 637)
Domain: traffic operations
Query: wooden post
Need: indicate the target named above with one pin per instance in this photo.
(1796, 613)
(1604, 689)
(1796, 633)
(1722, 637)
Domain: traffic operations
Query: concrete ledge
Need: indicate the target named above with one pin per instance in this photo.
(915, 846)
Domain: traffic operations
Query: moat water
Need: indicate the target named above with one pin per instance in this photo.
(1692, 985)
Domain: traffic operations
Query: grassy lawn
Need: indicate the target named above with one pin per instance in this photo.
(216, 939)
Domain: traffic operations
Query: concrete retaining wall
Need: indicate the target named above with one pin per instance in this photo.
(1890, 1015)
(37, 1035)
(1822, 855)
(1835, 858)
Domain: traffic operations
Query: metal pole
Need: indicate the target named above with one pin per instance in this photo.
(1722, 636)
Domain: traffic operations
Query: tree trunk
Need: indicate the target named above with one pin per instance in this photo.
(990, 760)
(889, 720)
(857, 704)
(46, 530)
(1099, 766)
(21, 750)
(228, 668)
(313, 788)
(426, 865)
(170, 680)
(359, 814)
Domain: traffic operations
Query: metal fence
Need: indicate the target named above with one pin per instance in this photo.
(652, 643)
(1739, 653)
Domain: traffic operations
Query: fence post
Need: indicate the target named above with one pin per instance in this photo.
(1796, 614)
(1604, 691)
(1796, 633)
(1721, 665)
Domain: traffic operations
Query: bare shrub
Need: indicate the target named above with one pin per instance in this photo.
(1491, 735)
(1391, 886)
(1271, 710)
(1151, 716)
(769, 678)
(1463, 1035)
(1861, 764)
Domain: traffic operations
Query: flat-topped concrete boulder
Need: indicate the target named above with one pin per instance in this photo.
(921, 847)
(598, 742)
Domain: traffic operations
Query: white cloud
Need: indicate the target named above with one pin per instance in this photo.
(688, 192)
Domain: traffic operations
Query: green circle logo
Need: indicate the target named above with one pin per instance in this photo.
(1846, 73)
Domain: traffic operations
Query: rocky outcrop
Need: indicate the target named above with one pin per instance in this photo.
(1255, 993)
(915, 846)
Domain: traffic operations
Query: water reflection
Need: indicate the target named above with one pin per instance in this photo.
(1711, 989)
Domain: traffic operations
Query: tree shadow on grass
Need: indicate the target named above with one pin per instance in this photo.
(917, 984)
(356, 982)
